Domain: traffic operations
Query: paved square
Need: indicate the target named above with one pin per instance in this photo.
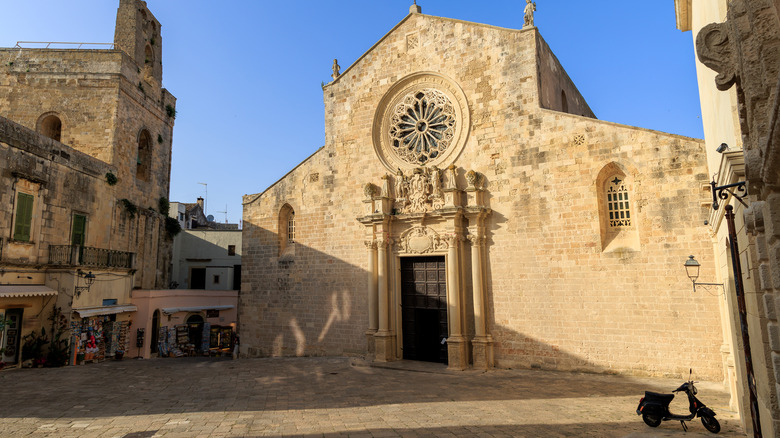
(331, 397)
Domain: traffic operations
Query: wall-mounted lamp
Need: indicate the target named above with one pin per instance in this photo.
(88, 278)
(692, 269)
(722, 148)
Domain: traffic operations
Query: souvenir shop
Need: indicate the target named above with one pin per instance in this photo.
(100, 334)
(196, 337)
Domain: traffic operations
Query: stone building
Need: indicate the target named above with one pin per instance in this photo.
(469, 208)
(85, 154)
(206, 254)
(739, 75)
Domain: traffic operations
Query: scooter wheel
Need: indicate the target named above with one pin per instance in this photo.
(653, 421)
(710, 423)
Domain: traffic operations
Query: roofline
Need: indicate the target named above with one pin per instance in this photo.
(259, 195)
(624, 126)
(386, 35)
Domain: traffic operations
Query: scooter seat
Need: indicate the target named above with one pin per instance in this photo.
(654, 397)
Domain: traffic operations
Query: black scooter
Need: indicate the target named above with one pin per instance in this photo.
(654, 408)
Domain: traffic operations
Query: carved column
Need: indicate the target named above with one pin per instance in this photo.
(373, 299)
(456, 344)
(383, 337)
(482, 342)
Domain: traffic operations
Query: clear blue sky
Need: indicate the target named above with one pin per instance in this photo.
(247, 73)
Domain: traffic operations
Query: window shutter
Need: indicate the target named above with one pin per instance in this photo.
(79, 229)
(24, 208)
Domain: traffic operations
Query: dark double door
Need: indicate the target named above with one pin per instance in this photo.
(424, 308)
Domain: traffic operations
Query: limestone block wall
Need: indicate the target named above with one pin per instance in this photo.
(67, 181)
(103, 101)
(556, 298)
(80, 87)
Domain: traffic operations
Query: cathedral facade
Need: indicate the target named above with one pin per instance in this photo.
(468, 208)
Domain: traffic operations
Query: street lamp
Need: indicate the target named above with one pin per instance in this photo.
(737, 191)
(692, 269)
(88, 278)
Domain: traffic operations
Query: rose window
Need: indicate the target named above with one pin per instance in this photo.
(422, 126)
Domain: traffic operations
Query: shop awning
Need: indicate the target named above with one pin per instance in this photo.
(18, 291)
(172, 310)
(105, 310)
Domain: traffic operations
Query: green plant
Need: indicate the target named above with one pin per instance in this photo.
(151, 41)
(10, 63)
(164, 205)
(111, 179)
(172, 227)
(59, 345)
(130, 208)
(33, 346)
(170, 110)
(159, 138)
(141, 87)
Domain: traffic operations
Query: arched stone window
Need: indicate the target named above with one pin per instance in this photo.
(143, 155)
(51, 126)
(617, 214)
(564, 102)
(148, 55)
(286, 230)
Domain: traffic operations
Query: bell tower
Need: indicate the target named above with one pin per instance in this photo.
(138, 34)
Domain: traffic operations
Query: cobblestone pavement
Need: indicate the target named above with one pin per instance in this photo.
(331, 397)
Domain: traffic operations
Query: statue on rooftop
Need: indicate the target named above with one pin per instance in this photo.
(530, 7)
(336, 69)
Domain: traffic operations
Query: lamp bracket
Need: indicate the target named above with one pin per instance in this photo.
(722, 192)
(706, 284)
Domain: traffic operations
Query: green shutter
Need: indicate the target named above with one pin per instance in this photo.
(79, 229)
(24, 211)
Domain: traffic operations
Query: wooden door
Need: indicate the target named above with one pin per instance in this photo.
(424, 308)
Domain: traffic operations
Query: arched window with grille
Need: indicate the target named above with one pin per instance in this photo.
(617, 216)
(618, 204)
(287, 231)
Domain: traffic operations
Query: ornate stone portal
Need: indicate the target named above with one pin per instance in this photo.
(428, 214)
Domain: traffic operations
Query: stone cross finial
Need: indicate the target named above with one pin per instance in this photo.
(336, 69)
(414, 9)
(528, 12)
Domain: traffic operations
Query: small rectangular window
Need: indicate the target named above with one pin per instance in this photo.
(231, 250)
(24, 212)
(109, 301)
(216, 279)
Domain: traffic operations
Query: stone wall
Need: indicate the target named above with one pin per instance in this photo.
(68, 181)
(556, 295)
(743, 51)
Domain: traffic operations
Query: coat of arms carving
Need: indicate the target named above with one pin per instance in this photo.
(420, 240)
(419, 192)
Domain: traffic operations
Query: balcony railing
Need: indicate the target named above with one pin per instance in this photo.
(76, 255)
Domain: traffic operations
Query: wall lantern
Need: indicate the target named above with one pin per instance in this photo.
(88, 278)
(692, 269)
